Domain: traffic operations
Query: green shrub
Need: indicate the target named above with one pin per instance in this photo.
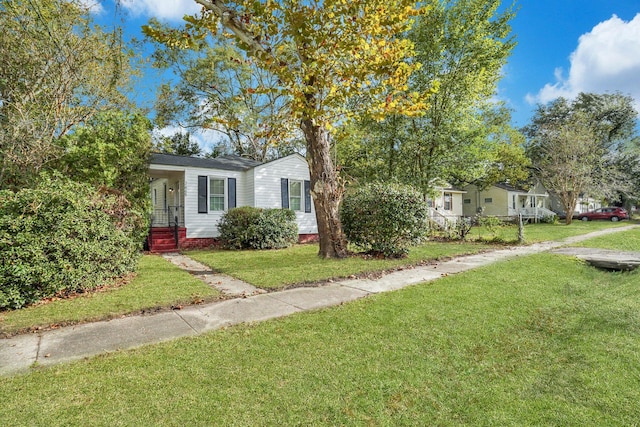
(60, 237)
(385, 218)
(278, 229)
(254, 228)
(460, 229)
(492, 225)
(549, 219)
(235, 226)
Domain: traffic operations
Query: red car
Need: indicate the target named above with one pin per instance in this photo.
(612, 213)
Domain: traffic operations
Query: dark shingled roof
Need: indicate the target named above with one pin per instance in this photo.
(230, 163)
(510, 187)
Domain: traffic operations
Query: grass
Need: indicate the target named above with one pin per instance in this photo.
(280, 268)
(539, 340)
(626, 241)
(157, 284)
(534, 233)
(276, 269)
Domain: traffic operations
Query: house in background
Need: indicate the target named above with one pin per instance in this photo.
(445, 207)
(584, 204)
(190, 195)
(505, 200)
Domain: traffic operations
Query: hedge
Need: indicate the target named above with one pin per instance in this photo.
(61, 237)
(255, 228)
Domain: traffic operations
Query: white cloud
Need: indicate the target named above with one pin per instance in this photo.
(607, 59)
(171, 10)
(93, 6)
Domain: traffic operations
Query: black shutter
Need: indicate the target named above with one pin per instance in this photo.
(202, 194)
(284, 192)
(307, 196)
(231, 197)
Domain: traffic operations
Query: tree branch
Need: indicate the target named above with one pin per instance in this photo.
(229, 19)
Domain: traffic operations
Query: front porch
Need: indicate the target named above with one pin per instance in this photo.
(168, 217)
(167, 229)
(530, 206)
(536, 213)
(443, 219)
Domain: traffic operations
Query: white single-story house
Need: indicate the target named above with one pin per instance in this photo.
(445, 206)
(190, 195)
(505, 200)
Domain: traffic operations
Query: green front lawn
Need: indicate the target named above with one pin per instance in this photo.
(534, 233)
(624, 241)
(538, 340)
(300, 264)
(158, 284)
(279, 268)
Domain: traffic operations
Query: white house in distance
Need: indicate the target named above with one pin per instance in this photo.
(190, 195)
(505, 200)
(445, 207)
(584, 204)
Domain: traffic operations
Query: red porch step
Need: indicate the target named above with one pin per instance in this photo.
(162, 239)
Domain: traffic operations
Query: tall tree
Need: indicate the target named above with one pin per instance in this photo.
(179, 144)
(565, 156)
(489, 150)
(615, 121)
(583, 146)
(215, 90)
(613, 116)
(494, 153)
(111, 152)
(463, 46)
(57, 70)
(323, 52)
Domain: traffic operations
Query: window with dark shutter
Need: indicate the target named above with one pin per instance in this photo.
(231, 201)
(202, 194)
(295, 195)
(284, 191)
(307, 196)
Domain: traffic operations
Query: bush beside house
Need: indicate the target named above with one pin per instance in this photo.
(255, 228)
(385, 218)
(61, 237)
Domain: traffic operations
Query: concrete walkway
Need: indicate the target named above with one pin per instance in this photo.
(227, 285)
(19, 353)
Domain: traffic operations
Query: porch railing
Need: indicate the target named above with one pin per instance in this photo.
(443, 220)
(171, 216)
(537, 213)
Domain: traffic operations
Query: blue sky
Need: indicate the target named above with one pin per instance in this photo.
(571, 46)
(564, 47)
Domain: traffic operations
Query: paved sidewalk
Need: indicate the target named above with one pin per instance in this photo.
(18, 353)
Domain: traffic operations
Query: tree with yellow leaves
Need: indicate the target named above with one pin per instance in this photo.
(337, 59)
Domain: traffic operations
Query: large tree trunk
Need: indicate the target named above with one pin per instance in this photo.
(325, 190)
(569, 200)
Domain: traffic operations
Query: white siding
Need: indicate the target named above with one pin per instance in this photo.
(455, 201)
(266, 191)
(250, 188)
(201, 224)
(259, 187)
(457, 204)
(158, 193)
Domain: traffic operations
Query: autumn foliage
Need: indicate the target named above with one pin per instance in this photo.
(336, 59)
